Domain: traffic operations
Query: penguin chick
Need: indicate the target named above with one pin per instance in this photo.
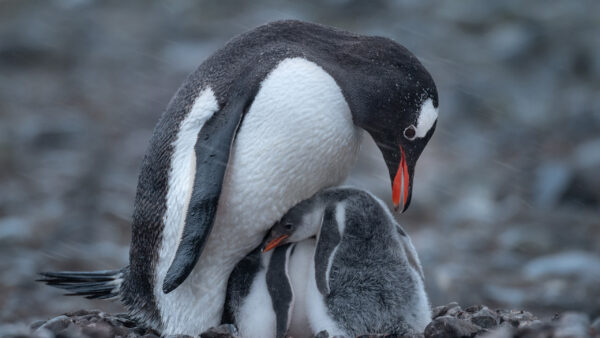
(366, 277)
(261, 299)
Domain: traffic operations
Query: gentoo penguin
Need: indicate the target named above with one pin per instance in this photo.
(268, 120)
(366, 277)
(266, 293)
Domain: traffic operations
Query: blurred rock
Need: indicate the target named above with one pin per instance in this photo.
(583, 265)
(91, 324)
(446, 326)
(552, 180)
(221, 331)
(573, 324)
(448, 321)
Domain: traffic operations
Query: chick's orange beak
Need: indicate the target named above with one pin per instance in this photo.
(274, 243)
(401, 184)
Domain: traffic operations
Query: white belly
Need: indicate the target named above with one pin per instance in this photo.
(255, 317)
(299, 270)
(297, 138)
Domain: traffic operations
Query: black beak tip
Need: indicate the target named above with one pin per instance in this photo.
(407, 204)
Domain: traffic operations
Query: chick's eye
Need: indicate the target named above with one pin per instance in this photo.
(410, 132)
(288, 226)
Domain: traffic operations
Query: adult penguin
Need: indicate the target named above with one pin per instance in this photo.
(265, 122)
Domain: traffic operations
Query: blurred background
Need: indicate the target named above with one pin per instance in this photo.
(506, 206)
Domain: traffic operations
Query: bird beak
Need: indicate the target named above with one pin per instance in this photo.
(401, 186)
(272, 244)
(401, 168)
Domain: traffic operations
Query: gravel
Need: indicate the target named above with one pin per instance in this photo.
(448, 321)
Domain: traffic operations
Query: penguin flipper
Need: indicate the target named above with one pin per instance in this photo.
(280, 288)
(212, 150)
(329, 239)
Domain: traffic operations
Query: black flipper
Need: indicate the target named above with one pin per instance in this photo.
(212, 149)
(280, 288)
(329, 238)
(95, 284)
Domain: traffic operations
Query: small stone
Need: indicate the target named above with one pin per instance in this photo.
(102, 330)
(57, 324)
(322, 334)
(80, 313)
(516, 318)
(536, 330)
(42, 333)
(595, 327)
(474, 308)
(35, 325)
(485, 318)
(572, 324)
(149, 335)
(504, 330)
(439, 311)
(443, 309)
(221, 331)
(454, 311)
(447, 326)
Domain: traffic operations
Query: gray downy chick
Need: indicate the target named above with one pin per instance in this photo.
(266, 292)
(366, 277)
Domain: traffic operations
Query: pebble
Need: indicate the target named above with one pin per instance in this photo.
(447, 326)
(585, 265)
(449, 320)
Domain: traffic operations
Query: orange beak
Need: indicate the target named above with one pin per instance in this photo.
(401, 184)
(274, 243)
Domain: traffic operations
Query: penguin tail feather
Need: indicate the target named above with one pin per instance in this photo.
(92, 285)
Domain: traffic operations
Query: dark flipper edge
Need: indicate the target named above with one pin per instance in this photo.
(212, 150)
(280, 288)
(329, 239)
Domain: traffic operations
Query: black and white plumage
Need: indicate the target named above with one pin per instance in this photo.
(265, 122)
(366, 275)
(263, 292)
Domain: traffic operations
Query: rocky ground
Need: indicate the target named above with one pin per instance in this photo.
(448, 321)
(506, 206)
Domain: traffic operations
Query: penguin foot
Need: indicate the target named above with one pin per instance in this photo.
(221, 331)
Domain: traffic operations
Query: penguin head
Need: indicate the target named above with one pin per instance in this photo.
(402, 147)
(300, 222)
(397, 104)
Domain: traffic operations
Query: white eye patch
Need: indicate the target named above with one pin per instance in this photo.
(427, 117)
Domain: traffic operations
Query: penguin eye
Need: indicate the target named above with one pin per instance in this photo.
(410, 132)
(288, 226)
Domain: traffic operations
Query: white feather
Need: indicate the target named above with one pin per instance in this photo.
(340, 218)
(318, 314)
(427, 117)
(299, 275)
(256, 318)
(181, 179)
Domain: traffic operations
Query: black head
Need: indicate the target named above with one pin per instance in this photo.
(395, 100)
(299, 223)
